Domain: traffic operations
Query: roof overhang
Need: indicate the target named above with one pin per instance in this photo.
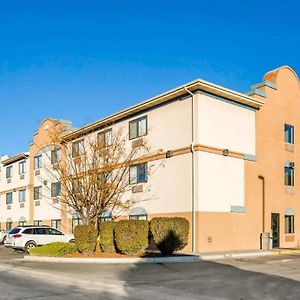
(15, 158)
(157, 100)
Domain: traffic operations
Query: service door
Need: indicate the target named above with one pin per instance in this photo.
(275, 229)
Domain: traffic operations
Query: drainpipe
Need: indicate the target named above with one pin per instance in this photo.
(262, 178)
(193, 174)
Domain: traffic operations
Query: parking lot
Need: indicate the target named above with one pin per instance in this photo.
(269, 277)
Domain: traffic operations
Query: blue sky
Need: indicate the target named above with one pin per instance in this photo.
(82, 60)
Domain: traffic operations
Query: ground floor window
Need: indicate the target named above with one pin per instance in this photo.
(8, 226)
(105, 216)
(138, 213)
(76, 221)
(37, 222)
(289, 224)
(22, 223)
(56, 224)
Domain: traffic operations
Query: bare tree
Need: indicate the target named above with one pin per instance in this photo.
(92, 174)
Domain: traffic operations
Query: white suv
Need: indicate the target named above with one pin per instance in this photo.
(27, 237)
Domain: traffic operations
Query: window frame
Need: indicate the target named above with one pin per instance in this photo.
(77, 152)
(289, 224)
(137, 181)
(22, 200)
(22, 167)
(38, 162)
(55, 155)
(289, 179)
(137, 127)
(37, 190)
(55, 191)
(8, 172)
(7, 200)
(290, 139)
(105, 143)
(56, 223)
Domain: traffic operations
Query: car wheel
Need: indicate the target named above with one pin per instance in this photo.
(29, 246)
(4, 239)
(72, 241)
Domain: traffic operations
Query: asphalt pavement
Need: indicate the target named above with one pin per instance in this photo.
(268, 277)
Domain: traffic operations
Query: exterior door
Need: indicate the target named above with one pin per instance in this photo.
(275, 229)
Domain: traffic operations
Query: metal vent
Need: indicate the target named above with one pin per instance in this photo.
(225, 152)
(169, 153)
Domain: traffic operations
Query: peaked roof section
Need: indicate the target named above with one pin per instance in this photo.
(179, 91)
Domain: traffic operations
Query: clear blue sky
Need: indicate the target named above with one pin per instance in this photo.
(82, 60)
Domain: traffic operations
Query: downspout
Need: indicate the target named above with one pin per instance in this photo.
(193, 174)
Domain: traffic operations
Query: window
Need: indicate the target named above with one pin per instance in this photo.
(289, 224)
(138, 128)
(105, 138)
(105, 216)
(289, 174)
(55, 155)
(22, 195)
(76, 221)
(9, 172)
(138, 173)
(22, 167)
(289, 134)
(77, 148)
(8, 225)
(40, 231)
(22, 221)
(37, 222)
(28, 231)
(55, 189)
(53, 231)
(37, 162)
(138, 213)
(9, 198)
(37, 193)
(56, 224)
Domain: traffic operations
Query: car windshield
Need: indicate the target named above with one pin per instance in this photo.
(15, 230)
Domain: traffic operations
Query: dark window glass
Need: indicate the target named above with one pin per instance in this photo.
(289, 224)
(289, 133)
(14, 230)
(28, 231)
(40, 231)
(289, 176)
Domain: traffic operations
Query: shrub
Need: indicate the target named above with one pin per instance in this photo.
(131, 236)
(170, 234)
(85, 238)
(54, 249)
(107, 242)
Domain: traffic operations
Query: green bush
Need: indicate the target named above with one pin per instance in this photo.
(170, 234)
(107, 242)
(131, 236)
(85, 238)
(54, 249)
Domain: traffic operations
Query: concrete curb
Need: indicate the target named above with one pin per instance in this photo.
(146, 260)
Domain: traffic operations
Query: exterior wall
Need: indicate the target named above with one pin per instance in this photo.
(14, 211)
(225, 125)
(282, 107)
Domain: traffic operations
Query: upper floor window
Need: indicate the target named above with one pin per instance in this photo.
(138, 173)
(55, 189)
(289, 133)
(22, 167)
(289, 174)
(37, 162)
(55, 155)
(9, 198)
(77, 148)
(9, 172)
(138, 127)
(105, 138)
(22, 195)
(37, 192)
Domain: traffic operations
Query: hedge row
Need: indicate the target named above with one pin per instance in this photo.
(132, 236)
